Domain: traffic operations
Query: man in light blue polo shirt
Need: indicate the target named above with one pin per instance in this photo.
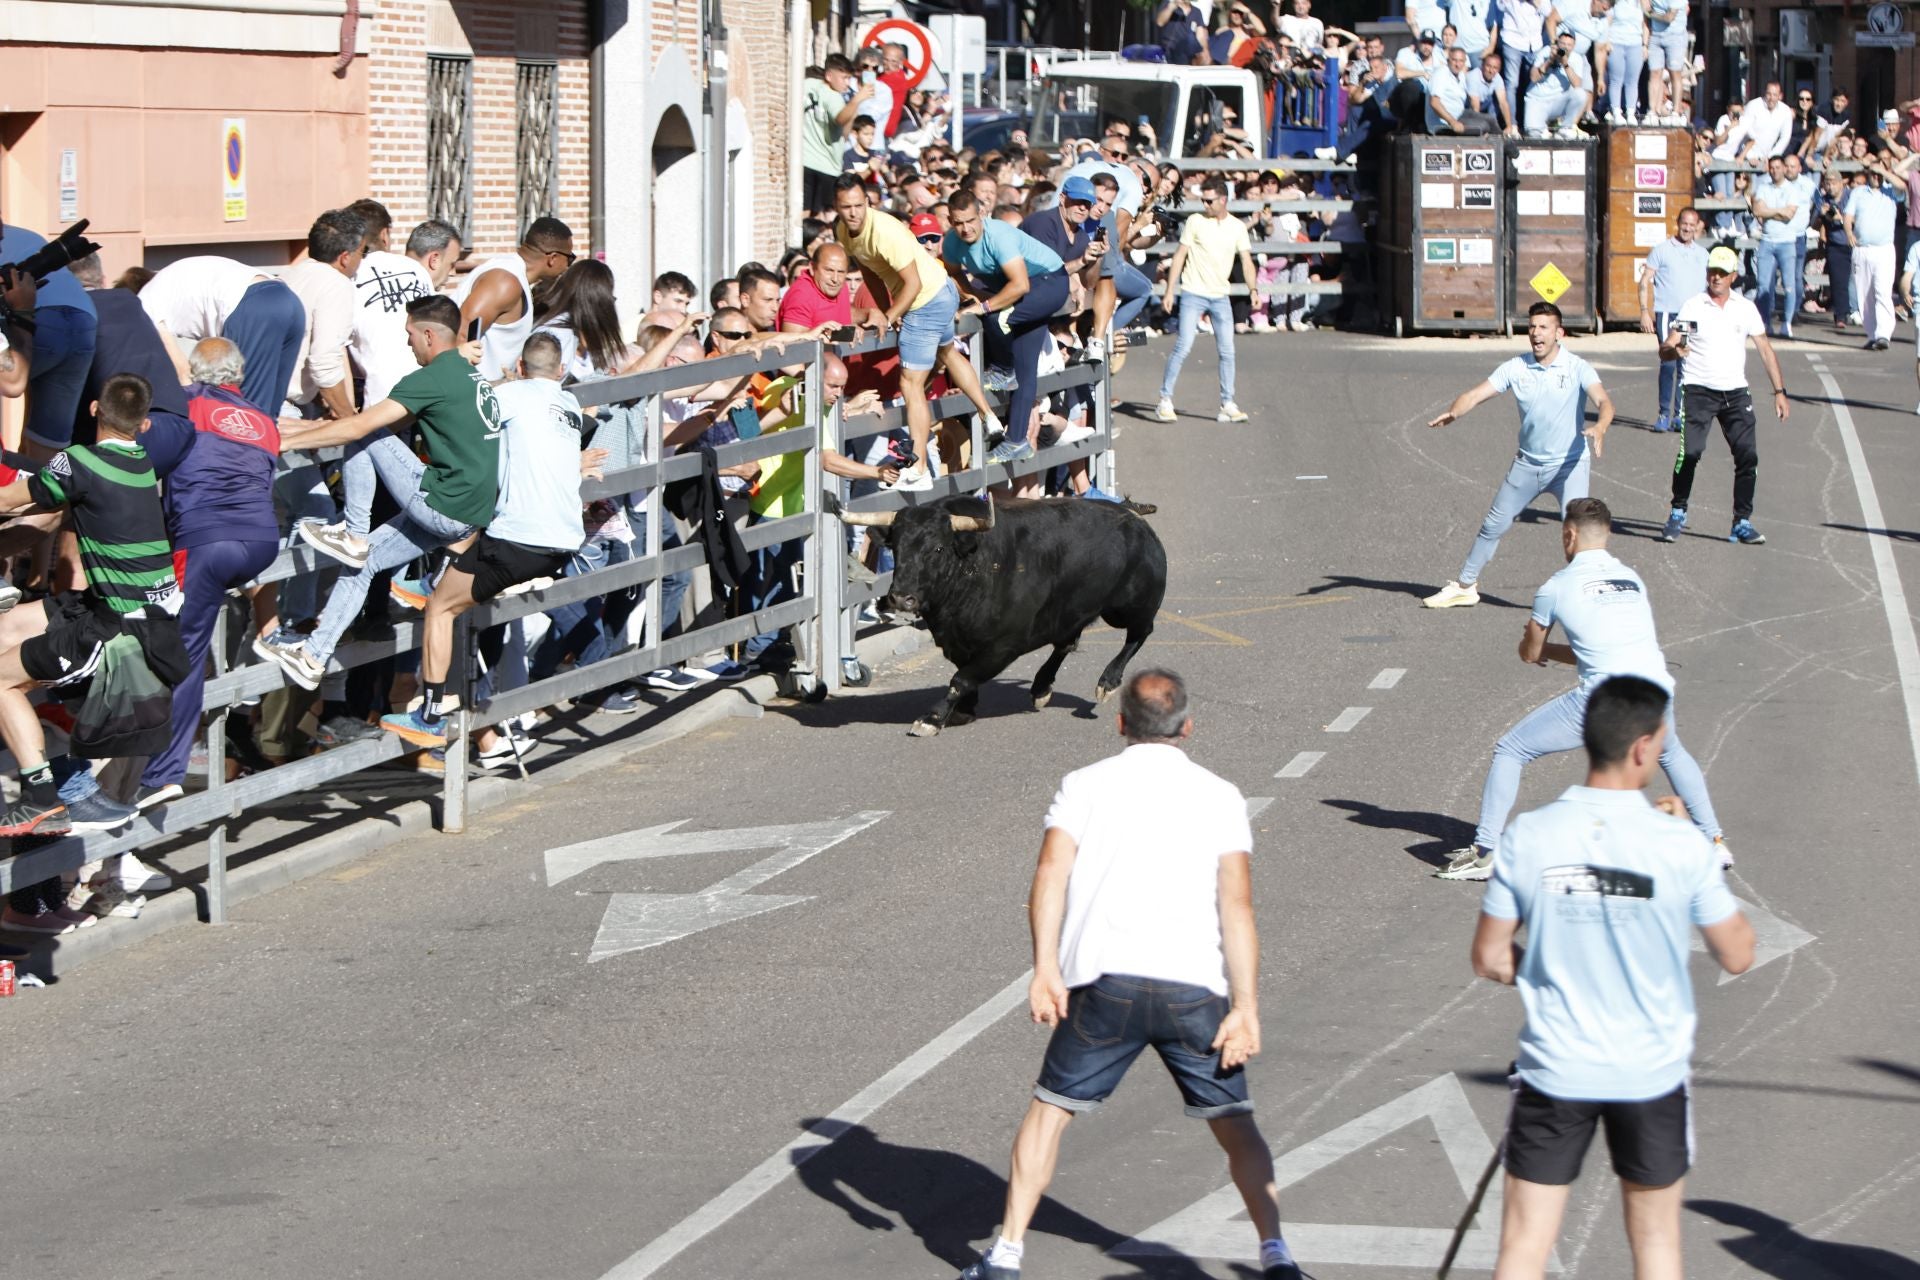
(1610, 889)
(1017, 283)
(1602, 606)
(1868, 215)
(1806, 190)
(1551, 385)
(1777, 206)
(1675, 270)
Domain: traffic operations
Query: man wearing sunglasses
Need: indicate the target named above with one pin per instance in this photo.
(499, 294)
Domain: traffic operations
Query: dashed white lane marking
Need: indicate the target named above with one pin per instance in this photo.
(1298, 766)
(1309, 477)
(1345, 721)
(1906, 651)
(1388, 678)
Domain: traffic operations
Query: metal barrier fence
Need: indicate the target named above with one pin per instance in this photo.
(822, 612)
(1358, 250)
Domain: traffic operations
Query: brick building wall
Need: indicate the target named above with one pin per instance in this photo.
(497, 35)
(761, 78)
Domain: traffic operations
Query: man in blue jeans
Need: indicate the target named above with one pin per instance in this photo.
(1676, 270)
(1550, 384)
(1197, 285)
(1782, 212)
(1602, 606)
(1143, 935)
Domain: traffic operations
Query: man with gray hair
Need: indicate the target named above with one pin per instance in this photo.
(1143, 934)
(384, 285)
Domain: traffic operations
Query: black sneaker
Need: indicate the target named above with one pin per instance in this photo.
(27, 817)
(984, 1270)
(97, 811)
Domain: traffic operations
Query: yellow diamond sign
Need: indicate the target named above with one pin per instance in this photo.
(1550, 282)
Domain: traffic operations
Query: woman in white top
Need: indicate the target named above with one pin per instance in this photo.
(1523, 33)
(1619, 61)
(580, 315)
(1667, 59)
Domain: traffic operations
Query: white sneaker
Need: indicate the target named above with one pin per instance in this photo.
(1096, 349)
(1570, 135)
(136, 876)
(1453, 595)
(917, 480)
(1074, 434)
(1470, 863)
(1539, 135)
(1726, 854)
(1165, 413)
(1323, 153)
(1230, 412)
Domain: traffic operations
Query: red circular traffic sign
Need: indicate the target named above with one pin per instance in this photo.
(909, 34)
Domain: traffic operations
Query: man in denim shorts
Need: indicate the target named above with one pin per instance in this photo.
(1142, 910)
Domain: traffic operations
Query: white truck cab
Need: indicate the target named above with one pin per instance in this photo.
(1185, 106)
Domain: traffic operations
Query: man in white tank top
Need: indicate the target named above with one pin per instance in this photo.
(499, 293)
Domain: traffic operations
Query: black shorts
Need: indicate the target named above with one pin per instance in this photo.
(496, 565)
(1651, 1142)
(66, 653)
(817, 190)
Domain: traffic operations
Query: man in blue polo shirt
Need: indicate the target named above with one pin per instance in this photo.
(1675, 270)
(1610, 889)
(1017, 283)
(1551, 385)
(1782, 213)
(1072, 231)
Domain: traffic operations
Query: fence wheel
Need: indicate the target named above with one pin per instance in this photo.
(855, 674)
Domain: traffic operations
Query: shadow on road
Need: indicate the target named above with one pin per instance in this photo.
(1774, 1248)
(1418, 590)
(1006, 697)
(1899, 535)
(1449, 833)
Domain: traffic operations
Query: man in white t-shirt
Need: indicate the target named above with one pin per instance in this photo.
(536, 527)
(213, 297)
(1602, 606)
(1198, 284)
(1710, 336)
(384, 285)
(1143, 934)
(1306, 31)
(1763, 130)
(322, 382)
(1610, 889)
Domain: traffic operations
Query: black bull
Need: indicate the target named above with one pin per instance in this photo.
(994, 581)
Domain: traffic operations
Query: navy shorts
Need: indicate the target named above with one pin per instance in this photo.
(1651, 1142)
(1113, 1018)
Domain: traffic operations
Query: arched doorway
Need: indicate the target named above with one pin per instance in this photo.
(675, 240)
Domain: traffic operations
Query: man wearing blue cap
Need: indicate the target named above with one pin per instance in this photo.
(1072, 229)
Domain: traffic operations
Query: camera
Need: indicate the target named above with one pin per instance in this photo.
(71, 246)
(1681, 330)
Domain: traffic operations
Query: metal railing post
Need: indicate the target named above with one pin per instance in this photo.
(654, 627)
(813, 559)
(977, 355)
(829, 545)
(1105, 476)
(216, 780)
(453, 799)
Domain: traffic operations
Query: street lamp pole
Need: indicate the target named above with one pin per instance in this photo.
(713, 232)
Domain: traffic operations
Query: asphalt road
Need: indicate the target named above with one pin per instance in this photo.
(412, 1068)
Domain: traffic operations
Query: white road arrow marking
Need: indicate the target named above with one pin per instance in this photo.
(636, 921)
(1216, 1227)
(1772, 938)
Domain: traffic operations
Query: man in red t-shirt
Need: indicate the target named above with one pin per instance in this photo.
(895, 78)
(819, 295)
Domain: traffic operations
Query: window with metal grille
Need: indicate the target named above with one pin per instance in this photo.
(536, 163)
(450, 141)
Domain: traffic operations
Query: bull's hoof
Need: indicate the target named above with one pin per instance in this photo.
(958, 718)
(1041, 697)
(923, 729)
(1102, 692)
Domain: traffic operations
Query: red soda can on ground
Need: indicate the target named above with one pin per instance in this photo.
(6, 977)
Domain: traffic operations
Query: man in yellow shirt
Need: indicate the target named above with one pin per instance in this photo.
(1197, 280)
(917, 298)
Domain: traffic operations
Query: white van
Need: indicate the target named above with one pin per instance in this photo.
(1186, 106)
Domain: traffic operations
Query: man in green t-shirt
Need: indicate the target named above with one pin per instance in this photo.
(443, 503)
(826, 114)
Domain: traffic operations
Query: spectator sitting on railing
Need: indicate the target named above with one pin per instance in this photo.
(1369, 112)
(385, 284)
(533, 532)
(1561, 90)
(1181, 32)
(1015, 283)
(1412, 67)
(322, 383)
(1068, 229)
(213, 297)
(442, 503)
(1832, 131)
(110, 492)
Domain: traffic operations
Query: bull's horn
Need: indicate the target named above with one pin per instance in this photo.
(974, 524)
(874, 519)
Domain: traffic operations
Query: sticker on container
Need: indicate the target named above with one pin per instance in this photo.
(1550, 282)
(1648, 234)
(1569, 204)
(1531, 204)
(1476, 253)
(1476, 162)
(1476, 197)
(1649, 146)
(1649, 206)
(1440, 252)
(1435, 164)
(1436, 195)
(1532, 162)
(1650, 175)
(1570, 161)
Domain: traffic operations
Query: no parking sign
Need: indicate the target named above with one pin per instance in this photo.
(233, 168)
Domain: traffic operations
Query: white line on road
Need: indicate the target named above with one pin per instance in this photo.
(1388, 678)
(776, 1168)
(1298, 766)
(1309, 477)
(1906, 652)
(1345, 721)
